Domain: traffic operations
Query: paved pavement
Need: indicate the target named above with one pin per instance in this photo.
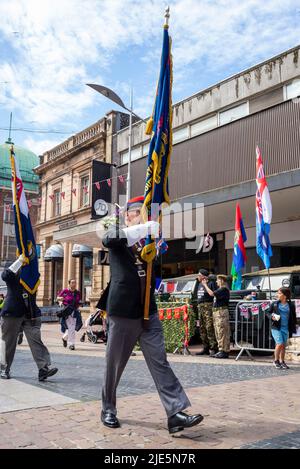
(245, 404)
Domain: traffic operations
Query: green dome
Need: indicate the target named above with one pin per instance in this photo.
(27, 160)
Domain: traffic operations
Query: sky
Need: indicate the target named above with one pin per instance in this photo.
(50, 49)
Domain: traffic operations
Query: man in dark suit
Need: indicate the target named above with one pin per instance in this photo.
(124, 303)
(20, 310)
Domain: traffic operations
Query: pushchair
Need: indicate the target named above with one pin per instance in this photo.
(92, 333)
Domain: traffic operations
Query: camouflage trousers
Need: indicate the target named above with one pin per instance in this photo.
(222, 328)
(207, 332)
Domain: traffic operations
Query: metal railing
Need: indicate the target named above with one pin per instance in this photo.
(252, 328)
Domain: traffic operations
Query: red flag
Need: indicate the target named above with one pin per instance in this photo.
(62, 195)
(29, 203)
(108, 182)
(85, 189)
(121, 179)
(97, 184)
(74, 192)
(51, 196)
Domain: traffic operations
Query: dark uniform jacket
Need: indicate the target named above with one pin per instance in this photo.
(14, 304)
(124, 295)
(200, 294)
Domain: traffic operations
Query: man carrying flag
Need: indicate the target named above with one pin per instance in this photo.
(239, 251)
(124, 302)
(263, 213)
(22, 279)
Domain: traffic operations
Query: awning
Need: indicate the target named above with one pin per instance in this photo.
(80, 250)
(54, 253)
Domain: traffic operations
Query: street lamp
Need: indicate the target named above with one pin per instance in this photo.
(108, 93)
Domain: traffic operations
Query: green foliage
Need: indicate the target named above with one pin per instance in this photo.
(175, 329)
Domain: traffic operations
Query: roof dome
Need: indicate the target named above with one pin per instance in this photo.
(27, 160)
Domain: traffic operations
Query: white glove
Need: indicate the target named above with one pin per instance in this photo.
(137, 232)
(16, 266)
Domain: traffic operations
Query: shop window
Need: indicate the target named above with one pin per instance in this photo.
(233, 113)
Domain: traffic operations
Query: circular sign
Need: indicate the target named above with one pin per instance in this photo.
(101, 208)
(286, 283)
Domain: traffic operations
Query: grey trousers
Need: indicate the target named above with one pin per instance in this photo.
(10, 328)
(123, 333)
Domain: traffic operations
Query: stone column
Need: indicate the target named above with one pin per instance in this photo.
(66, 265)
(71, 263)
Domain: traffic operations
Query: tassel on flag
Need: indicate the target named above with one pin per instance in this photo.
(108, 182)
(97, 184)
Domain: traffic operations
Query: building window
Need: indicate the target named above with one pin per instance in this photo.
(84, 191)
(233, 113)
(292, 90)
(204, 125)
(146, 149)
(180, 134)
(57, 203)
(8, 213)
(136, 153)
(9, 248)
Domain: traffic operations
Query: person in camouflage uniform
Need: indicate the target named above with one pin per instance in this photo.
(205, 304)
(220, 315)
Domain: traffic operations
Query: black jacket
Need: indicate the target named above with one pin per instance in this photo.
(206, 298)
(14, 304)
(123, 296)
(292, 317)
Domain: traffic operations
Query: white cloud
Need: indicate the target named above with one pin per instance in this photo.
(54, 47)
(40, 146)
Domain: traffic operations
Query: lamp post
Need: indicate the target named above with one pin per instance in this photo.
(108, 93)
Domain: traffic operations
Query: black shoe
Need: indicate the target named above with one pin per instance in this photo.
(277, 364)
(284, 366)
(45, 373)
(205, 351)
(5, 374)
(72, 347)
(221, 355)
(20, 338)
(65, 342)
(179, 421)
(109, 420)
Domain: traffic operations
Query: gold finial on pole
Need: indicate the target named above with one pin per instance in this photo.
(167, 16)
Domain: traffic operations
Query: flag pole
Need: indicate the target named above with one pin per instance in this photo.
(149, 264)
(269, 277)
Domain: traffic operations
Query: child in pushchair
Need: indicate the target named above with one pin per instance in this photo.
(94, 335)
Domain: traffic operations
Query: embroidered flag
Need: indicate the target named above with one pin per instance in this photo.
(239, 250)
(29, 277)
